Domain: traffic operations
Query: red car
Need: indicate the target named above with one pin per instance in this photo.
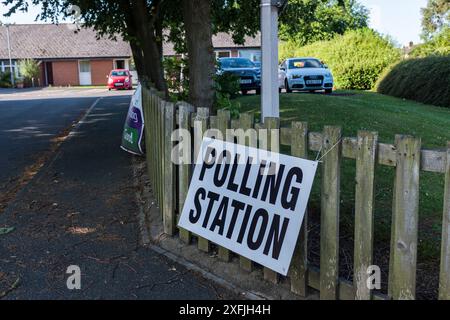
(120, 79)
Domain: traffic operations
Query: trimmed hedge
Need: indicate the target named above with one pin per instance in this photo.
(356, 58)
(425, 80)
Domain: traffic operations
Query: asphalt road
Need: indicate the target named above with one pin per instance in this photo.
(80, 209)
(27, 128)
(31, 120)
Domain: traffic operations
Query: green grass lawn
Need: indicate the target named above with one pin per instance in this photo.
(357, 110)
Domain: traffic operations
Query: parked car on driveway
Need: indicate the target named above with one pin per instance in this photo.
(249, 74)
(120, 79)
(305, 74)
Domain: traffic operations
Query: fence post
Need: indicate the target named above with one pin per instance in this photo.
(223, 123)
(146, 111)
(329, 233)
(157, 136)
(184, 169)
(366, 157)
(444, 281)
(153, 144)
(247, 122)
(161, 111)
(202, 117)
(169, 176)
(299, 264)
(273, 143)
(402, 273)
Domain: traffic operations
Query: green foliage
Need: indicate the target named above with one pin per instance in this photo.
(425, 80)
(435, 17)
(29, 69)
(5, 79)
(305, 21)
(228, 84)
(439, 45)
(227, 88)
(178, 86)
(356, 59)
(223, 101)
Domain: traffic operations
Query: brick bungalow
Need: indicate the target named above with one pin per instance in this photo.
(67, 58)
(224, 47)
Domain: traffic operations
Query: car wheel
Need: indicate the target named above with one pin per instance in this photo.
(244, 92)
(258, 91)
(286, 86)
(312, 91)
(328, 91)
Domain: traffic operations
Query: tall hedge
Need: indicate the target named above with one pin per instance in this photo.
(426, 80)
(356, 58)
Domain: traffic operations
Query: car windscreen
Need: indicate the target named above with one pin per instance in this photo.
(119, 74)
(236, 63)
(304, 63)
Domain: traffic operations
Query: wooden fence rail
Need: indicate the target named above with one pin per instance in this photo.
(170, 183)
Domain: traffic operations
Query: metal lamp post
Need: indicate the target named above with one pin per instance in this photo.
(9, 54)
(270, 97)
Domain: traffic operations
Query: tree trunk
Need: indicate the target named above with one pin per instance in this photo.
(145, 32)
(197, 21)
(136, 42)
(139, 61)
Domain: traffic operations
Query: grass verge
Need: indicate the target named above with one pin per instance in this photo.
(360, 110)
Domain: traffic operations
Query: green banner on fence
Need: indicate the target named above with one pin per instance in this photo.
(133, 132)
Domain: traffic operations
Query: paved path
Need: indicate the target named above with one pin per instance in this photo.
(80, 210)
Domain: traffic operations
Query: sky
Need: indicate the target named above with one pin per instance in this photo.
(398, 18)
(401, 19)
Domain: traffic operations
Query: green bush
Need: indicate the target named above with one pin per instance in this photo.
(356, 59)
(178, 86)
(5, 79)
(425, 80)
(227, 88)
(30, 71)
(439, 45)
(228, 84)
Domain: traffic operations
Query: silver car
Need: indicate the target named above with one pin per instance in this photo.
(305, 74)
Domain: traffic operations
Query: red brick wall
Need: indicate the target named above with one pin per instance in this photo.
(65, 73)
(99, 70)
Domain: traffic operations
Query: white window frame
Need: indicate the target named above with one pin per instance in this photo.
(127, 63)
(223, 51)
(253, 54)
(6, 67)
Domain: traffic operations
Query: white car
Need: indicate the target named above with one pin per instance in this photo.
(305, 74)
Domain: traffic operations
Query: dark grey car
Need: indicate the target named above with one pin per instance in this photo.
(249, 74)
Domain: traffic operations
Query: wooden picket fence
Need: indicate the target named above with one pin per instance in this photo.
(170, 185)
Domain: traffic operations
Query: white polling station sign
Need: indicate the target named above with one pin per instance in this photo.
(249, 201)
